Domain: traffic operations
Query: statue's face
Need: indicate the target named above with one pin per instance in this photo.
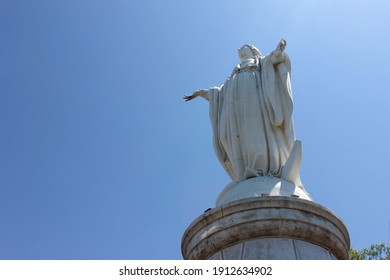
(245, 53)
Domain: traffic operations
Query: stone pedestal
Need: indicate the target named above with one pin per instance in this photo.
(271, 227)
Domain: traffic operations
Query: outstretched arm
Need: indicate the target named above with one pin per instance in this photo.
(202, 93)
(277, 56)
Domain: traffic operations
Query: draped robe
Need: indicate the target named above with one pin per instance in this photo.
(251, 117)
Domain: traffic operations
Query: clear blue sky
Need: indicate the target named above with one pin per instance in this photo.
(100, 158)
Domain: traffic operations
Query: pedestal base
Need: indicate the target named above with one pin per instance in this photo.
(260, 186)
(267, 228)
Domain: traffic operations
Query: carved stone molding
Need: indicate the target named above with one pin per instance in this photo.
(271, 226)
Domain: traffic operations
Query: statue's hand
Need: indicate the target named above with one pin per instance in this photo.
(277, 56)
(188, 97)
(282, 45)
(202, 92)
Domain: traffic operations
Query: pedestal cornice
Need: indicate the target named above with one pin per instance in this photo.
(265, 217)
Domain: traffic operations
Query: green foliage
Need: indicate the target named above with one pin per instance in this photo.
(375, 252)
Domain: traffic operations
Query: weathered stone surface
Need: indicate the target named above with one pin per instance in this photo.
(265, 249)
(267, 228)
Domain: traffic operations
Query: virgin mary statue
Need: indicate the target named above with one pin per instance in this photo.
(251, 114)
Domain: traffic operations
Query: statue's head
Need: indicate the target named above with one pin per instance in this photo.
(248, 51)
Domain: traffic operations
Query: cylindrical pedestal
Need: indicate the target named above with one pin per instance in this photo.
(273, 228)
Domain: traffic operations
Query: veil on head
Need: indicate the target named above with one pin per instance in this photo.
(254, 50)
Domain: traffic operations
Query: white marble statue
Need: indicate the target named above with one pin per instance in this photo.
(251, 116)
